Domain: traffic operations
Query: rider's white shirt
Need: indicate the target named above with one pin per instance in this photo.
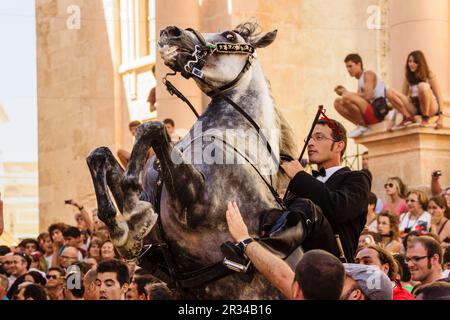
(328, 173)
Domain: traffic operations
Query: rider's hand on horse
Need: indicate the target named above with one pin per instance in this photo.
(292, 168)
(236, 225)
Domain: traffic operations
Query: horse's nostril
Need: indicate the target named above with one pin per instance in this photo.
(173, 31)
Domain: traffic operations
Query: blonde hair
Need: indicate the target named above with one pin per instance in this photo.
(421, 196)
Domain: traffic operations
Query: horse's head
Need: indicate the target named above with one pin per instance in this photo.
(221, 57)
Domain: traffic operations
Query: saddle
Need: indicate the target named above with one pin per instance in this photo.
(302, 225)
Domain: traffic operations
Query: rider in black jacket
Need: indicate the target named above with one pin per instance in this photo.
(342, 194)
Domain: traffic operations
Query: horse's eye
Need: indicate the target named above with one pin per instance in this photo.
(230, 37)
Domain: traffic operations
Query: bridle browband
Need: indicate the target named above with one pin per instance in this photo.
(193, 69)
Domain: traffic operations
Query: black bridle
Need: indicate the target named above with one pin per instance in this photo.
(193, 69)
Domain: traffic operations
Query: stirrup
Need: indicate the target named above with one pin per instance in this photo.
(236, 260)
(234, 257)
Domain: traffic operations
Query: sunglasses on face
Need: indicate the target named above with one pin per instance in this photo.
(415, 259)
(388, 185)
(52, 276)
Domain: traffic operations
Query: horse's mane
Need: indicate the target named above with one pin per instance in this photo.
(248, 30)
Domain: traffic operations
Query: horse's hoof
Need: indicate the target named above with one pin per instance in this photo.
(142, 224)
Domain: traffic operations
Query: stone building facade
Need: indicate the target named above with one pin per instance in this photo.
(95, 59)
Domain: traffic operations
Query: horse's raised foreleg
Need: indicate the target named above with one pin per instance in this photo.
(183, 181)
(106, 171)
(126, 234)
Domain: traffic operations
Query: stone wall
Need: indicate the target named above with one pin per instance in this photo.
(79, 102)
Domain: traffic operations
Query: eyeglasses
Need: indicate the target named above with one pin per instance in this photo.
(51, 276)
(390, 185)
(415, 259)
(67, 258)
(318, 137)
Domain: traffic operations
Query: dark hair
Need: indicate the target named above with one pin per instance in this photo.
(393, 222)
(4, 250)
(56, 226)
(35, 291)
(338, 132)
(73, 232)
(438, 290)
(84, 267)
(442, 203)
(403, 269)
(58, 269)
(159, 291)
(354, 57)
(431, 246)
(24, 257)
(385, 257)
(328, 279)
(413, 233)
(372, 198)
(423, 71)
(116, 266)
(169, 121)
(24, 243)
(142, 281)
(37, 277)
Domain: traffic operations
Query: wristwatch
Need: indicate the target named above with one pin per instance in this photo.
(244, 243)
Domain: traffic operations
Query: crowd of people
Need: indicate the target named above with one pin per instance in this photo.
(74, 262)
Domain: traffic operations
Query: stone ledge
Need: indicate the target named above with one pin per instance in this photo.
(379, 131)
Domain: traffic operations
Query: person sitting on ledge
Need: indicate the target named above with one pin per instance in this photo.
(367, 106)
(421, 93)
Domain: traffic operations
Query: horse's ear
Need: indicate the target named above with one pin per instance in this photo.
(264, 40)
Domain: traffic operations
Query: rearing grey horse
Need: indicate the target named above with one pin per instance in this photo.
(192, 200)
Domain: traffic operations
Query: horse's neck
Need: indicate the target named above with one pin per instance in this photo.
(253, 95)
